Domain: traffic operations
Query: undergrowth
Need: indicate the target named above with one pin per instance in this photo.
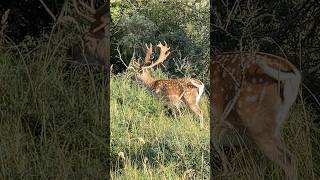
(53, 119)
(147, 142)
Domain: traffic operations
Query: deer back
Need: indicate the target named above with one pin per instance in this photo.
(238, 82)
(177, 87)
(168, 87)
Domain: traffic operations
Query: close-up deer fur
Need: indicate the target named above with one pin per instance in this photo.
(252, 93)
(174, 91)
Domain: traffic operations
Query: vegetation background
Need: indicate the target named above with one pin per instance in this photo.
(146, 141)
(52, 120)
(52, 114)
(289, 29)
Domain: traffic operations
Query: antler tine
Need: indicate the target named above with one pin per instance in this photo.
(135, 64)
(75, 4)
(164, 53)
(92, 2)
(160, 44)
(165, 44)
(102, 15)
(87, 7)
(147, 59)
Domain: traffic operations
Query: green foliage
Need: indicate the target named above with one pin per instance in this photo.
(183, 25)
(142, 128)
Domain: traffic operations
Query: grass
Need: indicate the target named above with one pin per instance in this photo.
(301, 138)
(52, 121)
(154, 144)
(53, 126)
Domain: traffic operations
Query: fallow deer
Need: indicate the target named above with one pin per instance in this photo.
(174, 91)
(252, 93)
(95, 46)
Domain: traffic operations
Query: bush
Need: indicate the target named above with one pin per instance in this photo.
(183, 25)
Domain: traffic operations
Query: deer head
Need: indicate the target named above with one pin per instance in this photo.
(95, 46)
(142, 70)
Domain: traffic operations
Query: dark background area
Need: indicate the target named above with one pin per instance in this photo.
(28, 17)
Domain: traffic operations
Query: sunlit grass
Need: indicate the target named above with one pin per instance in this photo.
(155, 145)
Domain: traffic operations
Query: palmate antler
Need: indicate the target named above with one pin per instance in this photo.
(164, 53)
(98, 17)
(102, 18)
(94, 48)
(91, 10)
(147, 59)
(147, 64)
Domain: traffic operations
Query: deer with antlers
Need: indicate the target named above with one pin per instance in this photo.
(174, 91)
(95, 46)
(252, 93)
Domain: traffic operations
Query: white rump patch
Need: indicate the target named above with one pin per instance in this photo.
(200, 90)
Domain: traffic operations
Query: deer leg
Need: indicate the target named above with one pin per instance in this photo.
(178, 110)
(175, 103)
(275, 149)
(174, 111)
(198, 111)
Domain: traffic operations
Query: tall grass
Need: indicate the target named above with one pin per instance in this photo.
(52, 120)
(302, 140)
(155, 145)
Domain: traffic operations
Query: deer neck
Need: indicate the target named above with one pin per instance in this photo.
(149, 81)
